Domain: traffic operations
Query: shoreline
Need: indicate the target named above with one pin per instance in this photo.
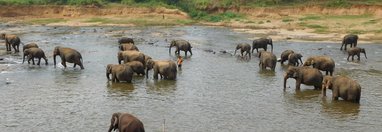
(272, 23)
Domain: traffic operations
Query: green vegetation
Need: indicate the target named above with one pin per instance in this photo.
(46, 20)
(145, 21)
(287, 20)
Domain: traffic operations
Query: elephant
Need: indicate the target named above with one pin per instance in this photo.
(11, 40)
(137, 67)
(294, 58)
(349, 39)
(284, 55)
(304, 75)
(323, 63)
(356, 51)
(128, 46)
(342, 86)
(131, 55)
(267, 59)
(180, 45)
(125, 122)
(262, 43)
(167, 69)
(30, 45)
(125, 40)
(68, 55)
(119, 72)
(35, 53)
(244, 47)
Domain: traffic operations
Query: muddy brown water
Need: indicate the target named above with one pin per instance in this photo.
(214, 91)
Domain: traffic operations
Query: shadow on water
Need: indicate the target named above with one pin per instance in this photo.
(340, 109)
(68, 75)
(266, 72)
(161, 86)
(302, 95)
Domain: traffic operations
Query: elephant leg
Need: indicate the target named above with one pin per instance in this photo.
(359, 57)
(29, 59)
(14, 47)
(155, 75)
(63, 63)
(185, 53)
(352, 57)
(265, 48)
(7, 45)
(298, 84)
(348, 57)
(190, 51)
(39, 60)
(46, 61)
(18, 48)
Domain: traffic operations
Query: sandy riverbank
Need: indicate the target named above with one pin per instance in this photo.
(293, 23)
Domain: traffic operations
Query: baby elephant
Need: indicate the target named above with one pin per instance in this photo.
(267, 59)
(323, 63)
(128, 46)
(284, 55)
(293, 59)
(125, 122)
(35, 53)
(356, 51)
(30, 45)
(244, 48)
(119, 72)
(342, 86)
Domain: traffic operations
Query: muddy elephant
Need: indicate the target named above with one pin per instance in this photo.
(125, 122)
(262, 43)
(244, 48)
(356, 51)
(68, 55)
(323, 63)
(131, 55)
(267, 59)
(30, 45)
(137, 67)
(11, 40)
(124, 40)
(349, 39)
(35, 53)
(284, 55)
(167, 69)
(294, 58)
(180, 45)
(304, 75)
(342, 86)
(119, 72)
(128, 46)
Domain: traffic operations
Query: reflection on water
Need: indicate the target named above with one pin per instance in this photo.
(340, 109)
(214, 89)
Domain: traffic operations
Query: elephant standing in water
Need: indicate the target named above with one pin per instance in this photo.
(262, 43)
(125, 122)
(124, 40)
(349, 39)
(342, 86)
(167, 69)
(180, 45)
(294, 58)
(137, 67)
(30, 45)
(68, 55)
(284, 55)
(356, 51)
(35, 53)
(267, 59)
(323, 63)
(304, 75)
(11, 40)
(244, 48)
(128, 46)
(131, 55)
(119, 72)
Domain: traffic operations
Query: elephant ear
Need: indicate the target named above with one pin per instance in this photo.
(296, 72)
(115, 120)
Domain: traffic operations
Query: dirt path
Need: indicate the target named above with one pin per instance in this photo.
(292, 23)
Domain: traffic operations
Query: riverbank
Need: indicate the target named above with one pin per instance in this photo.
(304, 23)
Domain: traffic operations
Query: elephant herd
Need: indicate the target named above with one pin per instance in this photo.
(309, 72)
(136, 62)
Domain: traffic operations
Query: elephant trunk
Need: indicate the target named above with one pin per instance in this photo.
(271, 47)
(169, 50)
(235, 52)
(147, 73)
(365, 54)
(54, 59)
(323, 90)
(24, 58)
(285, 80)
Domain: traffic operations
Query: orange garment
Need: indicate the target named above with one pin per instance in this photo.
(180, 61)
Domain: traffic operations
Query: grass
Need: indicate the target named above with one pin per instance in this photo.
(142, 21)
(287, 20)
(46, 20)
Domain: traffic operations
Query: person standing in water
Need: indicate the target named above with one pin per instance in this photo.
(180, 61)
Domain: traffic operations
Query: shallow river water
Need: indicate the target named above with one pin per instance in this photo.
(214, 91)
